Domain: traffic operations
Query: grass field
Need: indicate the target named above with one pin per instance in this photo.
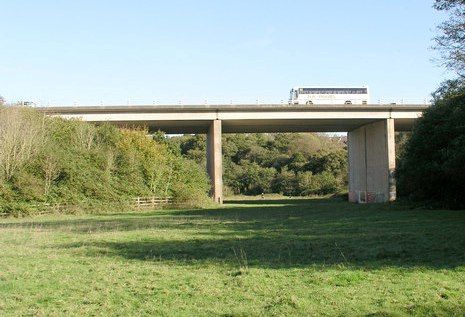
(251, 258)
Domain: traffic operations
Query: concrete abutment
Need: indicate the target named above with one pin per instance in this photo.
(372, 162)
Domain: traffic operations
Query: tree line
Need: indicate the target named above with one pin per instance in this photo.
(293, 164)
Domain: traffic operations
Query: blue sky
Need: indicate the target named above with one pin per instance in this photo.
(115, 52)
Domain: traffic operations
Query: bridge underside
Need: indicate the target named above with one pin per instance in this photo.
(261, 126)
(371, 147)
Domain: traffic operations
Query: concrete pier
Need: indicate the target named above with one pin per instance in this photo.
(372, 162)
(215, 160)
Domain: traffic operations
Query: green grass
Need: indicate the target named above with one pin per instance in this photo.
(252, 258)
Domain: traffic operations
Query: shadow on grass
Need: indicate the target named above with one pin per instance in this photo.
(291, 251)
(279, 234)
(241, 212)
(292, 201)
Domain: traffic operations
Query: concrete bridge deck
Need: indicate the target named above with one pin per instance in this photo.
(245, 118)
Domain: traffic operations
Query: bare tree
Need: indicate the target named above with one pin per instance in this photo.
(451, 42)
(51, 169)
(110, 164)
(21, 138)
(85, 135)
(2, 100)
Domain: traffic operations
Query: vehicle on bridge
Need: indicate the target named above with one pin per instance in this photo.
(329, 95)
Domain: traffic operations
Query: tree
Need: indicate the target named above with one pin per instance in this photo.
(21, 138)
(431, 169)
(257, 179)
(51, 170)
(451, 42)
(285, 183)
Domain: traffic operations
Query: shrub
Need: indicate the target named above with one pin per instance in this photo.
(190, 184)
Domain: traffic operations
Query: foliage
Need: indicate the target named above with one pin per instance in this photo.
(288, 163)
(451, 41)
(189, 183)
(432, 168)
(401, 139)
(53, 160)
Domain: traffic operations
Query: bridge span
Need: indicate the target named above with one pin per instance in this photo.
(370, 128)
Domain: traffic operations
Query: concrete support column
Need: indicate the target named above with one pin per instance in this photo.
(372, 162)
(215, 161)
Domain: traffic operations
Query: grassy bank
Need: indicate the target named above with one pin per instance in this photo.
(289, 257)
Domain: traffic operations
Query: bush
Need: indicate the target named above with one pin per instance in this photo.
(285, 183)
(73, 162)
(432, 169)
(190, 184)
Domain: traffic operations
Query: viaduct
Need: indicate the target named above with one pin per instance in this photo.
(371, 128)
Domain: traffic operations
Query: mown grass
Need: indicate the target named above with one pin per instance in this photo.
(251, 258)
